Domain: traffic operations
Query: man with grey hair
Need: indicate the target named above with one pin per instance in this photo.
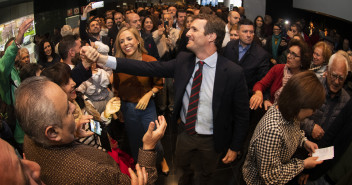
(46, 117)
(336, 98)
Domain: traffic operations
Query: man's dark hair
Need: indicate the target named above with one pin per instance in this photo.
(29, 70)
(302, 91)
(214, 25)
(245, 22)
(305, 52)
(180, 11)
(59, 73)
(34, 110)
(66, 44)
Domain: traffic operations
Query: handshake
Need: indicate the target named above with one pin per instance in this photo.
(91, 55)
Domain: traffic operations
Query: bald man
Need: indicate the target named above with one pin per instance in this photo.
(233, 18)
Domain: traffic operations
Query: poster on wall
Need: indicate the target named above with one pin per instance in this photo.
(10, 29)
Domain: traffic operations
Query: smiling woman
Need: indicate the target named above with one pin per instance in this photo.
(136, 92)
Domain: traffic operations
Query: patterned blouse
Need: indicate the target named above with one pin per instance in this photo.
(269, 159)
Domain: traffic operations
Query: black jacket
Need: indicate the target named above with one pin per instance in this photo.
(230, 97)
(255, 62)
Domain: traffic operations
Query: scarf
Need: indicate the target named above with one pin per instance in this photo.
(285, 78)
(275, 45)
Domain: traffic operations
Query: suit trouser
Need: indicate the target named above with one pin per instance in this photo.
(201, 148)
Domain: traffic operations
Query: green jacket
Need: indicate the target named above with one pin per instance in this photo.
(7, 90)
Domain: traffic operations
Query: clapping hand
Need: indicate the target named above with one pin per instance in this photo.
(112, 107)
(151, 137)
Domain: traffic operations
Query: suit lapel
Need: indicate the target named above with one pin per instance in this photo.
(188, 64)
(219, 84)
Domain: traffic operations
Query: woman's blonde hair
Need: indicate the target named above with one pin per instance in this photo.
(119, 53)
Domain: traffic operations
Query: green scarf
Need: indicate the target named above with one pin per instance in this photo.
(275, 46)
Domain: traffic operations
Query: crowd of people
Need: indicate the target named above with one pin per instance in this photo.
(257, 94)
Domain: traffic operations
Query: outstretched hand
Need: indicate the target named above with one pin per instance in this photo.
(151, 137)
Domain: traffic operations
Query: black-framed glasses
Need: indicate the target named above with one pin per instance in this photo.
(337, 77)
(293, 54)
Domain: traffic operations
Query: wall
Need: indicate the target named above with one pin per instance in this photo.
(253, 8)
(15, 11)
(337, 8)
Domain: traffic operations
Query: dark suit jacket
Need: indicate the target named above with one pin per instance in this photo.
(255, 62)
(112, 33)
(150, 45)
(230, 97)
(88, 38)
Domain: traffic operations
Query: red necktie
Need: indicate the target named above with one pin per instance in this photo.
(191, 115)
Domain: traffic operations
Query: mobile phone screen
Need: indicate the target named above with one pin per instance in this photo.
(99, 4)
(95, 127)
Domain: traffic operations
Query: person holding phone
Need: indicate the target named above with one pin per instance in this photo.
(60, 73)
(165, 37)
(46, 116)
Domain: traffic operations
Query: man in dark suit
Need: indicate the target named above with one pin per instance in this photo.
(118, 20)
(250, 56)
(220, 113)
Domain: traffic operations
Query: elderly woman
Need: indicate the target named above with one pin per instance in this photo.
(46, 55)
(60, 73)
(278, 135)
(298, 60)
(136, 92)
(321, 55)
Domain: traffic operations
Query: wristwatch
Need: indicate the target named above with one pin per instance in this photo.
(154, 94)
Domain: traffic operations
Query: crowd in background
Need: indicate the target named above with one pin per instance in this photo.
(298, 85)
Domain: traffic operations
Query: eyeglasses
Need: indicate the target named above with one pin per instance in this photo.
(337, 77)
(293, 54)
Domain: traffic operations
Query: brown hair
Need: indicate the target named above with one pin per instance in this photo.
(59, 73)
(119, 53)
(305, 52)
(327, 52)
(302, 91)
(214, 25)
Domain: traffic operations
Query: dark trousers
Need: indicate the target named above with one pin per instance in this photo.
(196, 150)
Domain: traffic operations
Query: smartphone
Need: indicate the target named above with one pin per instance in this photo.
(95, 126)
(99, 4)
(166, 23)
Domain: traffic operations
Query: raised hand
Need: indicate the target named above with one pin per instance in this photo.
(151, 137)
(112, 107)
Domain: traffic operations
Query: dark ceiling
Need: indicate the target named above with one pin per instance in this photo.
(6, 3)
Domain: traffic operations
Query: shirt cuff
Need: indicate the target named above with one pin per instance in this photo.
(111, 62)
(83, 18)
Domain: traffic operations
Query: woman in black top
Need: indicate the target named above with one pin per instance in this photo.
(47, 56)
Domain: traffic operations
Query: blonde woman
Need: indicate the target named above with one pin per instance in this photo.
(136, 92)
